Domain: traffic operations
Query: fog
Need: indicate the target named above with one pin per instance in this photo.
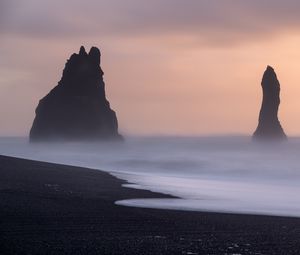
(221, 174)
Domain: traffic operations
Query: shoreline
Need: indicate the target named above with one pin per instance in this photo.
(48, 208)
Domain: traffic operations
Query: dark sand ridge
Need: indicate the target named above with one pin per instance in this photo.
(55, 209)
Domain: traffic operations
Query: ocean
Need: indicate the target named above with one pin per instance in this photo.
(218, 174)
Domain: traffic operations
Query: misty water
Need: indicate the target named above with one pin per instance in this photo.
(219, 174)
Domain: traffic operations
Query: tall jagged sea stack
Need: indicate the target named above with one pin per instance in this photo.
(77, 108)
(269, 127)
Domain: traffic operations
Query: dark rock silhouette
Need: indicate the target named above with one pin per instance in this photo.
(77, 108)
(269, 127)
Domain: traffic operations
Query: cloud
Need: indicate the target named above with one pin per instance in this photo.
(212, 21)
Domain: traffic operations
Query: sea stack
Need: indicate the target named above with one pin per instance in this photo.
(77, 108)
(269, 127)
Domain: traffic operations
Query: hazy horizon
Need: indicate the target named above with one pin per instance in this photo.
(170, 68)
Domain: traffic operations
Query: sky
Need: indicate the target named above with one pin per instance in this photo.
(171, 67)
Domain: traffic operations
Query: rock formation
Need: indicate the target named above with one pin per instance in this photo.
(77, 108)
(269, 127)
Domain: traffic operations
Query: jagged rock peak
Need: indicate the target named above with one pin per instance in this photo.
(82, 51)
(269, 127)
(270, 78)
(95, 55)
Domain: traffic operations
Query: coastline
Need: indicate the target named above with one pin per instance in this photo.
(57, 209)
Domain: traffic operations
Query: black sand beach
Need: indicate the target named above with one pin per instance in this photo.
(55, 209)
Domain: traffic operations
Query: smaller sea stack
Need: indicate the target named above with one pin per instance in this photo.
(269, 127)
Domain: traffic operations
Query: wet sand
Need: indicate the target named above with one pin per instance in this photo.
(55, 209)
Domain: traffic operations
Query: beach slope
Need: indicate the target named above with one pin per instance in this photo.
(56, 209)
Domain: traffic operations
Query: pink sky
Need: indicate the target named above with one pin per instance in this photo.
(171, 67)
